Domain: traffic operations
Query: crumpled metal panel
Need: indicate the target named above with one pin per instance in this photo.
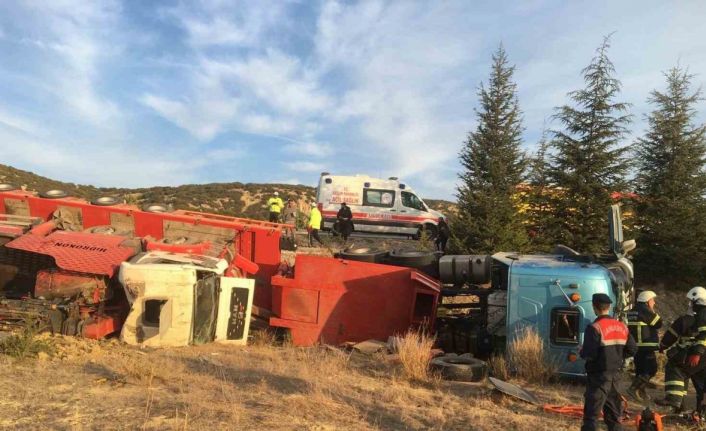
(78, 251)
(514, 391)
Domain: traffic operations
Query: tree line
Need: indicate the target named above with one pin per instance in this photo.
(510, 200)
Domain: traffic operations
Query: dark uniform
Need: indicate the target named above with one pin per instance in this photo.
(685, 337)
(643, 324)
(442, 236)
(344, 218)
(607, 342)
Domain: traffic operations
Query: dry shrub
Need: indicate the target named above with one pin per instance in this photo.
(27, 342)
(414, 350)
(498, 367)
(529, 358)
(263, 337)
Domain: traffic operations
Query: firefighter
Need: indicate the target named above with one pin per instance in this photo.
(685, 343)
(607, 342)
(314, 224)
(643, 323)
(442, 236)
(275, 205)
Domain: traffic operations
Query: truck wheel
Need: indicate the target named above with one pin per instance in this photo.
(53, 194)
(105, 201)
(425, 261)
(5, 187)
(460, 368)
(363, 254)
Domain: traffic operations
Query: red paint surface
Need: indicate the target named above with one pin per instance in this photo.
(334, 300)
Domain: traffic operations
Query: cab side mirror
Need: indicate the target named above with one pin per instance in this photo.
(629, 246)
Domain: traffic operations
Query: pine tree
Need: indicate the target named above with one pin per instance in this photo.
(538, 199)
(493, 167)
(588, 162)
(671, 185)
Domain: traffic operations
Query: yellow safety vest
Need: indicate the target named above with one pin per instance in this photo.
(315, 218)
(275, 205)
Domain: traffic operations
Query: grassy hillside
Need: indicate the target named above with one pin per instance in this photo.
(242, 200)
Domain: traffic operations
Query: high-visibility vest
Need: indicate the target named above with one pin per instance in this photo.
(315, 219)
(275, 205)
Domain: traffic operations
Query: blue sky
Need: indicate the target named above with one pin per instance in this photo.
(134, 93)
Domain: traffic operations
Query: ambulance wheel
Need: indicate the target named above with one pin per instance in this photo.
(54, 194)
(105, 201)
(363, 254)
(460, 368)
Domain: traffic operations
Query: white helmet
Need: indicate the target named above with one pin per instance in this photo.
(697, 295)
(646, 296)
(276, 193)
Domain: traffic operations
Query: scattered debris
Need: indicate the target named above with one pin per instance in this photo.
(514, 391)
(371, 347)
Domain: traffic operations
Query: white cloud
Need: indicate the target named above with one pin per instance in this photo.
(312, 149)
(304, 166)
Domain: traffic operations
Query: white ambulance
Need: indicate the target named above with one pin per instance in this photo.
(378, 205)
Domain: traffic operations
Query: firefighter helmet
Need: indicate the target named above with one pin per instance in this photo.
(646, 296)
(697, 295)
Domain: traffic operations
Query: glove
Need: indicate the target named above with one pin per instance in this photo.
(693, 360)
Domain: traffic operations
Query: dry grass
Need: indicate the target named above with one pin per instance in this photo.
(498, 367)
(528, 357)
(414, 350)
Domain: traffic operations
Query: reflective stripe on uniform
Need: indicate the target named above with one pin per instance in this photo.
(613, 342)
(674, 383)
(702, 342)
(654, 320)
(677, 393)
(701, 328)
(637, 324)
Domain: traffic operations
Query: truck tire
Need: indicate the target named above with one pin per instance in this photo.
(54, 194)
(460, 368)
(105, 201)
(363, 254)
(425, 261)
(5, 187)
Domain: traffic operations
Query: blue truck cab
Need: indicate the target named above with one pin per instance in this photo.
(552, 294)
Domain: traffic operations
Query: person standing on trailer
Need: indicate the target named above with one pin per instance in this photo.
(643, 323)
(442, 235)
(289, 216)
(275, 205)
(607, 342)
(345, 221)
(314, 224)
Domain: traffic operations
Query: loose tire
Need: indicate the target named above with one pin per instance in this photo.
(54, 194)
(460, 368)
(425, 261)
(363, 254)
(105, 201)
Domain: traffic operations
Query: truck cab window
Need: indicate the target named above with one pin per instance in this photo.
(565, 326)
(410, 200)
(379, 198)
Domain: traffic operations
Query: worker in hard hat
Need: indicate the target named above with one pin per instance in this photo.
(643, 323)
(314, 224)
(607, 342)
(685, 343)
(275, 205)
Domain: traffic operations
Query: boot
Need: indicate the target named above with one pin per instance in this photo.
(676, 405)
(634, 389)
(642, 389)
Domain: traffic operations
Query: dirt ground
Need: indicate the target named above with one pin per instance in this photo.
(110, 386)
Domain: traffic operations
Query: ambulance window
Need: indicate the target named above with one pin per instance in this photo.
(379, 198)
(410, 200)
(565, 326)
